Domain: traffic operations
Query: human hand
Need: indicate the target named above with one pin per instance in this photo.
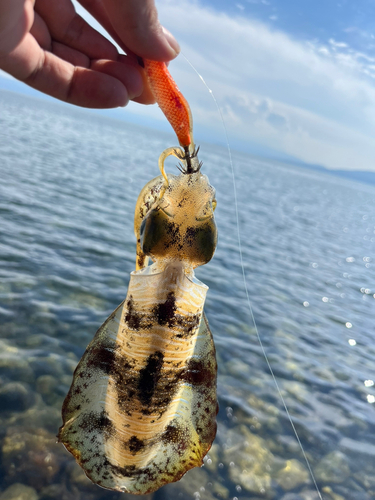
(45, 44)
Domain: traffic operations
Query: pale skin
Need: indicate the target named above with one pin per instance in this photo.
(47, 45)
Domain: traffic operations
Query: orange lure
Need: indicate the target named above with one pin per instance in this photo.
(170, 100)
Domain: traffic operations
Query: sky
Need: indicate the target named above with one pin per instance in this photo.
(294, 79)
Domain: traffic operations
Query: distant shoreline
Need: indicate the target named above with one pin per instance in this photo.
(362, 176)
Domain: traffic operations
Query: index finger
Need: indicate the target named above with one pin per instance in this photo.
(92, 88)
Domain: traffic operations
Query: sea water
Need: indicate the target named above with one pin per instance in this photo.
(69, 180)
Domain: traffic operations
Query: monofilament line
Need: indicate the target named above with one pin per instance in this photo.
(245, 283)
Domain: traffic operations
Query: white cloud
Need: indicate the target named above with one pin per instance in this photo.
(337, 44)
(318, 108)
(314, 102)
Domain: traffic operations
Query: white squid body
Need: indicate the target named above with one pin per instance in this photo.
(142, 407)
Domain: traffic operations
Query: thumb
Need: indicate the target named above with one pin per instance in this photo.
(136, 23)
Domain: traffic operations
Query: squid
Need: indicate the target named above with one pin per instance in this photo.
(141, 410)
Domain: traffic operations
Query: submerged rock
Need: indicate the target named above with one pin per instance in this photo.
(54, 491)
(195, 484)
(50, 389)
(46, 384)
(292, 475)
(18, 491)
(67, 490)
(333, 468)
(13, 366)
(32, 456)
(311, 495)
(238, 368)
(219, 489)
(291, 496)
(250, 462)
(16, 396)
(78, 480)
(211, 460)
(47, 418)
(331, 494)
(61, 492)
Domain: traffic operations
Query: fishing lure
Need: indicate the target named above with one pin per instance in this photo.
(141, 410)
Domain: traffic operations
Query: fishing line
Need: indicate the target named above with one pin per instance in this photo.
(245, 283)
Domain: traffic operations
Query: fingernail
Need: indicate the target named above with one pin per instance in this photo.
(172, 42)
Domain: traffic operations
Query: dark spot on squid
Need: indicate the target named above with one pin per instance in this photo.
(97, 422)
(182, 201)
(171, 434)
(100, 357)
(149, 377)
(173, 231)
(134, 445)
(126, 471)
(174, 434)
(190, 235)
(165, 312)
(188, 325)
(196, 373)
(132, 318)
(141, 260)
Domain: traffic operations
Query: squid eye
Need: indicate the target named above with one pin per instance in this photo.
(214, 204)
(202, 241)
(154, 232)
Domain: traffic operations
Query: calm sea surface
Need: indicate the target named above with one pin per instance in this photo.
(69, 181)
